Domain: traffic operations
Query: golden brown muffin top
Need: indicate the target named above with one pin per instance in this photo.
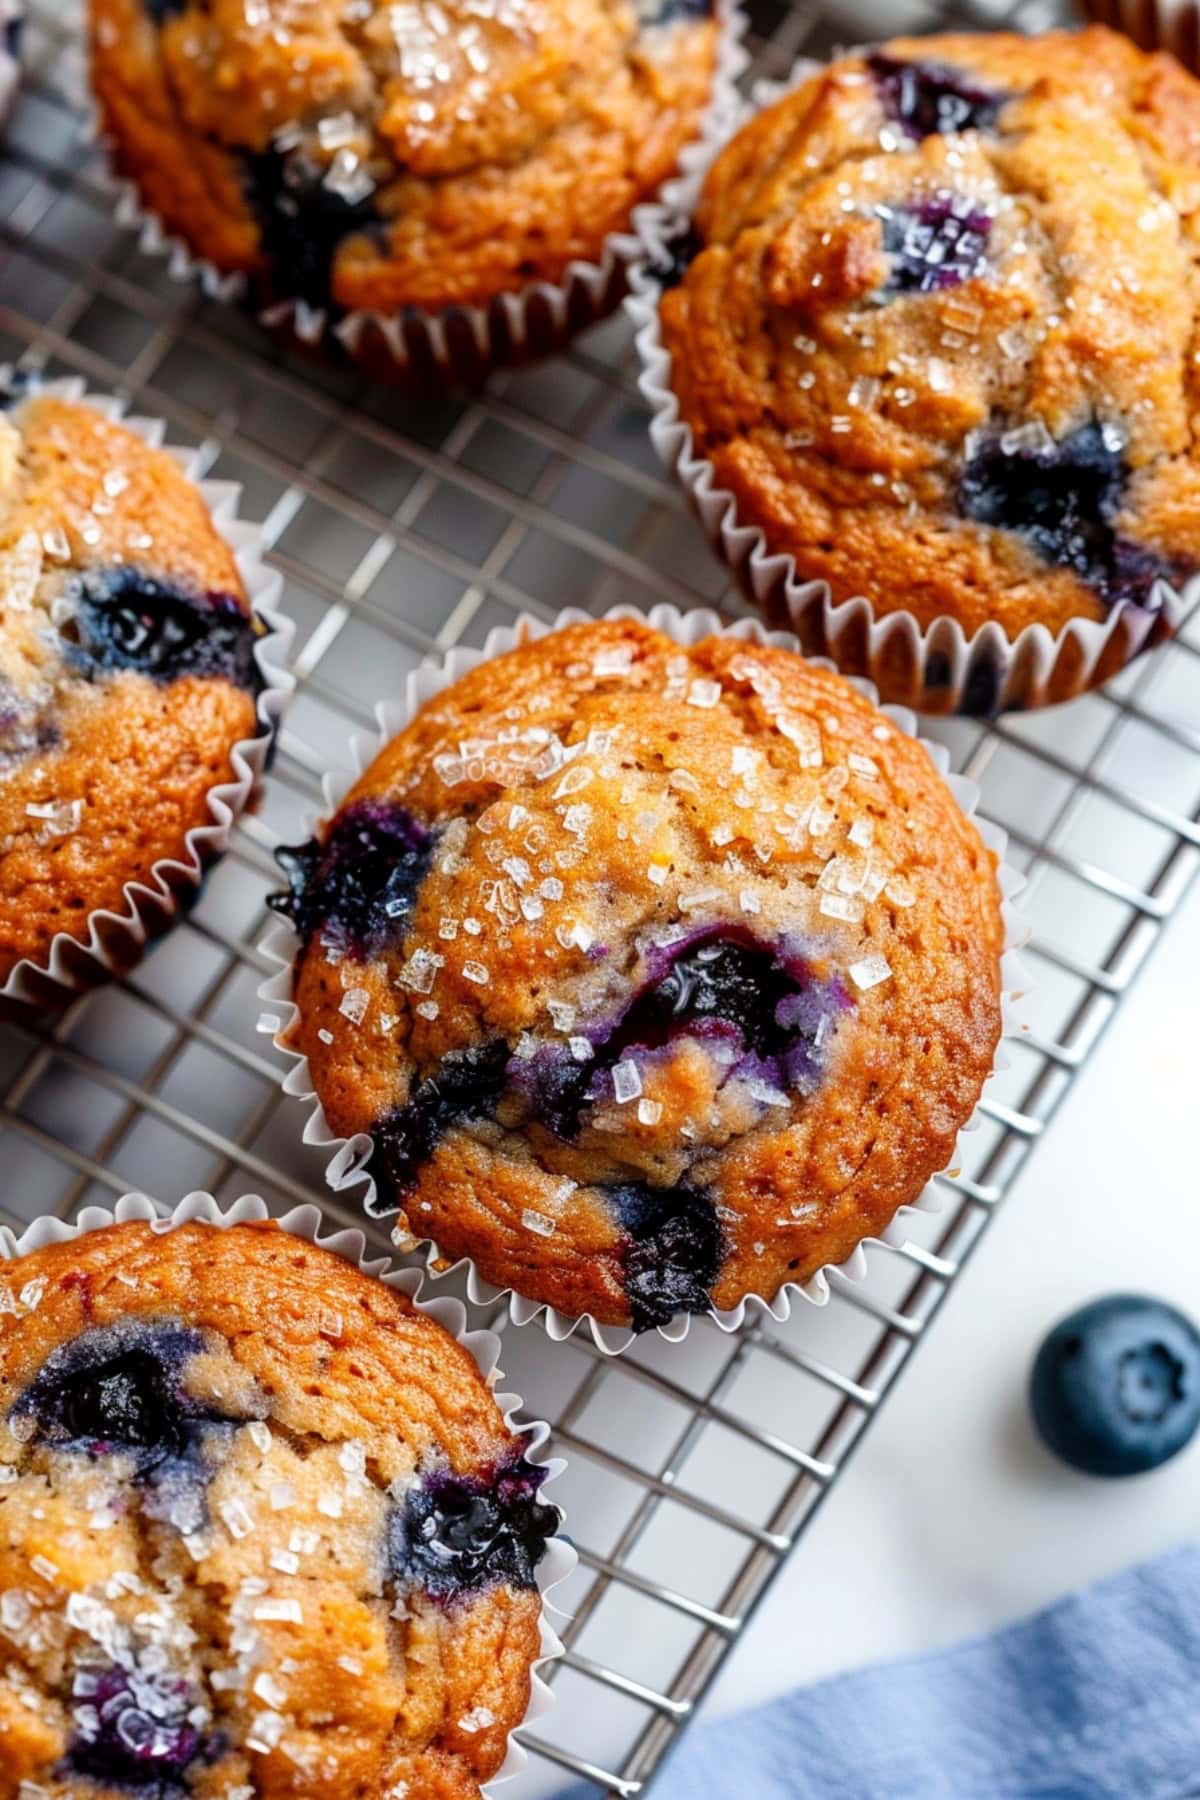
(263, 1530)
(659, 976)
(381, 155)
(127, 666)
(938, 338)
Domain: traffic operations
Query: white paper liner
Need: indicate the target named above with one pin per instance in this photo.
(115, 940)
(1172, 25)
(308, 1223)
(347, 1166)
(935, 668)
(460, 343)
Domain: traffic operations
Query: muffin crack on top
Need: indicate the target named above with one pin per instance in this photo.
(657, 976)
(352, 154)
(263, 1530)
(938, 332)
(128, 667)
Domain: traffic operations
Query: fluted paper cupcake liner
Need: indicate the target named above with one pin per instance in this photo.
(483, 1347)
(113, 941)
(459, 344)
(934, 668)
(349, 1157)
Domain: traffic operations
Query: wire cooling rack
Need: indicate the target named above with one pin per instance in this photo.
(402, 530)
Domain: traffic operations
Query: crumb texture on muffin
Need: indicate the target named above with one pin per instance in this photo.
(127, 667)
(263, 1530)
(938, 333)
(381, 156)
(658, 977)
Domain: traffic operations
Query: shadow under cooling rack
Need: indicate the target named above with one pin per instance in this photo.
(401, 531)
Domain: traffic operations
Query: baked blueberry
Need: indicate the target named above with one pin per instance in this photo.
(466, 1087)
(1116, 1386)
(362, 881)
(162, 10)
(935, 245)
(678, 253)
(454, 1533)
(929, 98)
(304, 213)
(717, 983)
(121, 1390)
(1064, 499)
(125, 619)
(133, 1728)
(673, 1250)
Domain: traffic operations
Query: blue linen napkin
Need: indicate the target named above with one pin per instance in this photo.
(1096, 1698)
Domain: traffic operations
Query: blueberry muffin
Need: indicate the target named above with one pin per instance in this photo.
(127, 668)
(657, 977)
(936, 330)
(386, 157)
(263, 1530)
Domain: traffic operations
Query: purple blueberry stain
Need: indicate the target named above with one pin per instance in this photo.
(671, 1252)
(359, 886)
(752, 1002)
(455, 1534)
(934, 244)
(932, 98)
(1064, 499)
(126, 619)
(134, 1728)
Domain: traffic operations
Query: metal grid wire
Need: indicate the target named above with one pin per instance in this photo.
(402, 530)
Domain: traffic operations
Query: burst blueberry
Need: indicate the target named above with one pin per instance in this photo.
(672, 1251)
(1064, 499)
(121, 1389)
(362, 881)
(133, 1729)
(454, 1534)
(935, 245)
(718, 984)
(928, 98)
(303, 219)
(466, 1087)
(125, 619)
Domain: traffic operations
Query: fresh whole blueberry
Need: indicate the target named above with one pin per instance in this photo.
(363, 880)
(14, 31)
(466, 1086)
(133, 1728)
(1115, 1388)
(1064, 498)
(127, 620)
(935, 245)
(457, 1533)
(928, 98)
(673, 1250)
(303, 219)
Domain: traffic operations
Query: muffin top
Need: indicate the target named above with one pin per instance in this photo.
(263, 1530)
(382, 156)
(937, 337)
(659, 977)
(127, 667)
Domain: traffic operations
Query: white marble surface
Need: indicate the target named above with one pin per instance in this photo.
(952, 1520)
